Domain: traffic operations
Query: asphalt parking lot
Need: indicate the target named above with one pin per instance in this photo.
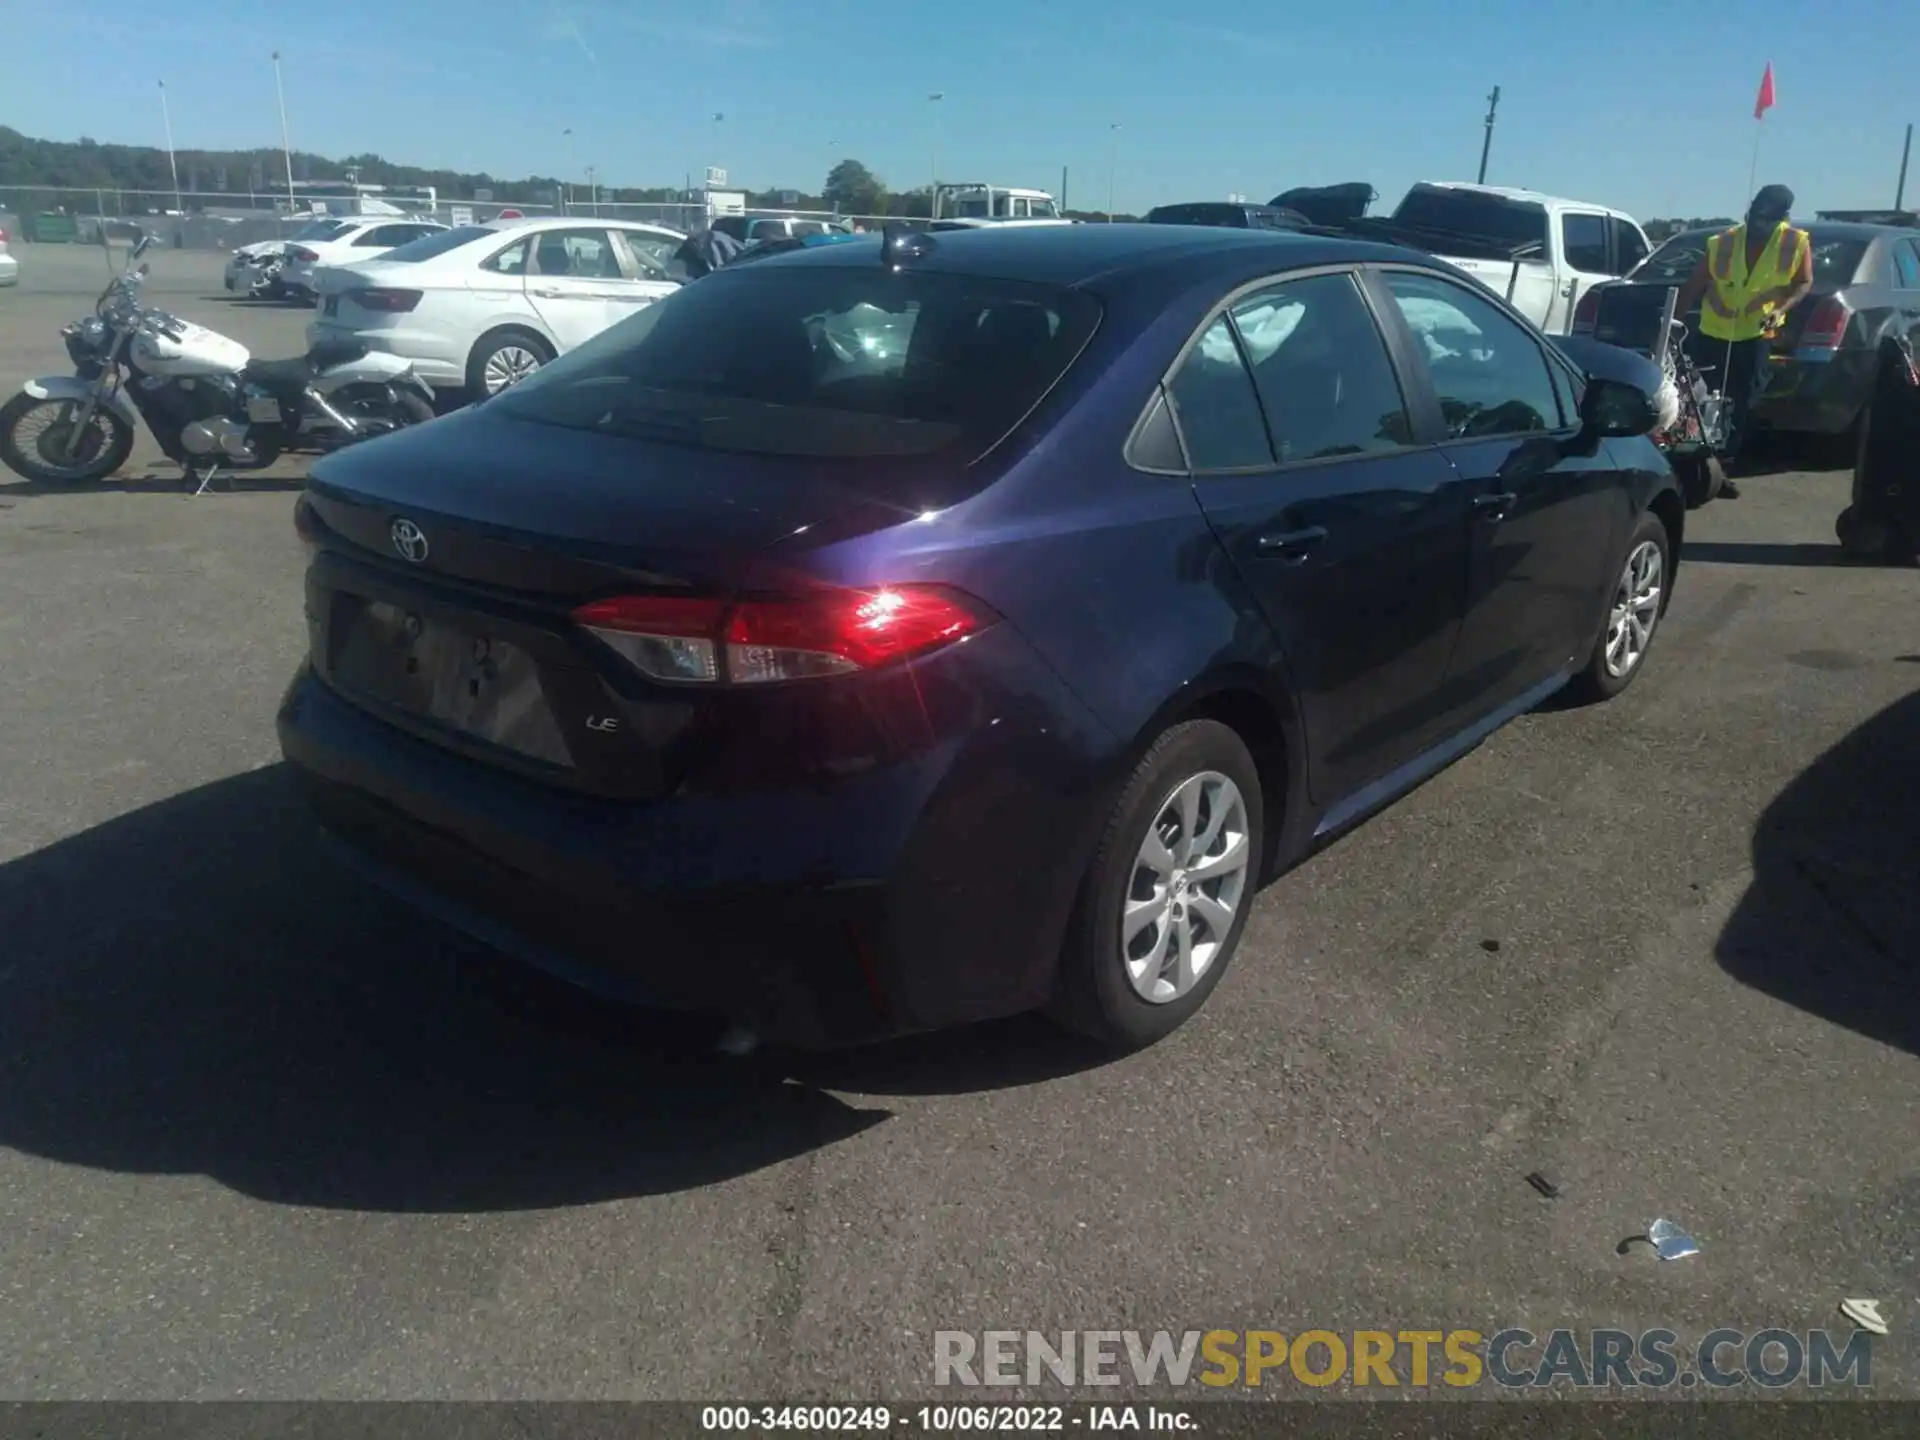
(265, 1134)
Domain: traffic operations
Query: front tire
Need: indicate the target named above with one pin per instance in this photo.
(1635, 607)
(1166, 899)
(34, 454)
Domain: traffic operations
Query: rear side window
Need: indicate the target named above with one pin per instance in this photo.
(1906, 263)
(1322, 371)
(1584, 237)
(825, 361)
(1216, 406)
(439, 242)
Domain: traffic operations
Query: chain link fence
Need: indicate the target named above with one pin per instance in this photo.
(49, 215)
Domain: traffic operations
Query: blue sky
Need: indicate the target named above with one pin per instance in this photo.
(1230, 96)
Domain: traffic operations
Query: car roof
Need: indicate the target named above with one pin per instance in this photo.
(1079, 254)
(1832, 229)
(567, 222)
(1514, 192)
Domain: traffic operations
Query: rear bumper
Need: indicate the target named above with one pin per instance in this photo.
(919, 896)
(1817, 393)
(436, 358)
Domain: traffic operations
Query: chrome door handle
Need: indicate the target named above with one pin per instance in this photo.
(1494, 507)
(1291, 548)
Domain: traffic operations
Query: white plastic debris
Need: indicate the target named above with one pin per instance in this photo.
(1865, 1314)
(1670, 1242)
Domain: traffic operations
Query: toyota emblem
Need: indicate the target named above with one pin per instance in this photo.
(409, 541)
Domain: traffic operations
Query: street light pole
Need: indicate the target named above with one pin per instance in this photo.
(593, 189)
(713, 145)
(1113, 161)
(933, 183)
(566, 207)
(286, 146)
(173, 167)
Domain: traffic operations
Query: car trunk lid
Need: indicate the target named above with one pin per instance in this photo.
(450, 559)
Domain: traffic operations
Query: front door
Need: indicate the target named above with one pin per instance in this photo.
(1349, 534)
(576, 285)
(1541, 515)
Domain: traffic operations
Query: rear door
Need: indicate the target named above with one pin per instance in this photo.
(1541, 518)
(1349, 531)
(576, 284)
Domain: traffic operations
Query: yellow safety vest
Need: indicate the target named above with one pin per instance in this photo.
(1732, 284)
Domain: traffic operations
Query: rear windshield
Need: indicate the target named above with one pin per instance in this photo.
(440, 242)
(321, 230)
(825, 361)
(1507, 223)
(1836, 258)
(1235, 215)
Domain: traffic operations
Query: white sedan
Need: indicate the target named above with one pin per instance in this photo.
(482, 306)
(9, 267)
(359, 240)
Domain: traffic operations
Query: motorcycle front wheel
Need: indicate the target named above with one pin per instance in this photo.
(34, 435)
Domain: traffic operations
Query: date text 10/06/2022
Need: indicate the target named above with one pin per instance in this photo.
(943, 1419)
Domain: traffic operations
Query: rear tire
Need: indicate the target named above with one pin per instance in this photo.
(1635, 605)
(1197, 783)
(500, 360)
(103, 457)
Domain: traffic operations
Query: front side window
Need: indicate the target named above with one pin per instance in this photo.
(1321, 370)
(1488, 371)
(1216, 406)
(821, 361)
(581, 254)
(1629, 246)
(652, 254)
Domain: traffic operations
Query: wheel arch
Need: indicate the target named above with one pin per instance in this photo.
(1670, 510)
(1266, 716)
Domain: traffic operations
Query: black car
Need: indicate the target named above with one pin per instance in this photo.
(1232, 215)
(932, 627)
(1866, 294)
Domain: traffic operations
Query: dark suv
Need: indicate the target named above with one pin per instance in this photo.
(1229, 214)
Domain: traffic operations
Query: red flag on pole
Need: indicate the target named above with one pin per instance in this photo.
(1764, 101)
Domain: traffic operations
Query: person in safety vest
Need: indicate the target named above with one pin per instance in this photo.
(1745, 284)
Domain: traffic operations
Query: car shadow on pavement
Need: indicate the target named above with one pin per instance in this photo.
(198, 987)
(1733, 552)
(161, 483)
(1830, 923)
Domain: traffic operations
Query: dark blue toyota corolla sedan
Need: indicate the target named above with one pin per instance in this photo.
(929, 628)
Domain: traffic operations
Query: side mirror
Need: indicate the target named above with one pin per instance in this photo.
(1613, 407)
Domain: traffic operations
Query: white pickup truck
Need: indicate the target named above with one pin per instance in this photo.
(1541, 252)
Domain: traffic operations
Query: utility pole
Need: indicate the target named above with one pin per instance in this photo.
(566, 205)
(1063, 189)
(1113, 163)
(933, 178)
(1493, 104)
(286, 146)
(1900, 191)
(173, 168)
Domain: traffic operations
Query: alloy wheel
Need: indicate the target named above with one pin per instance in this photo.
(1636, 609)
(1188, 883)
(508, 365)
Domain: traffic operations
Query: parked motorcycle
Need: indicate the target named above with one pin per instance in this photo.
(208, 403)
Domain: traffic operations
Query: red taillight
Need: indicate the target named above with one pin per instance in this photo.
(752, 642)
(306, 524)
(392, 302)
(1826, 326)
(302, 254)
(1586, 313)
